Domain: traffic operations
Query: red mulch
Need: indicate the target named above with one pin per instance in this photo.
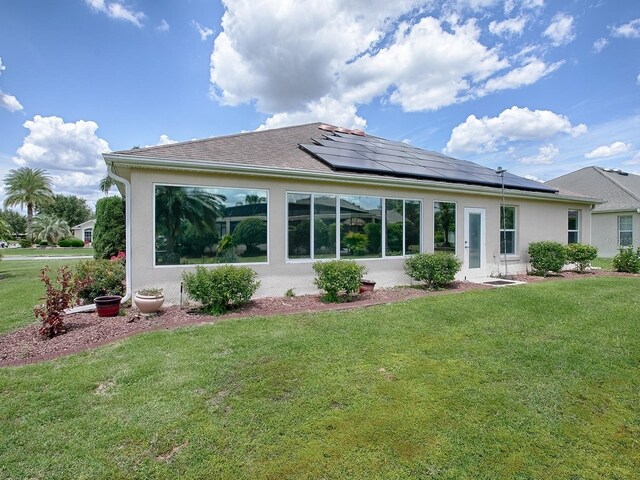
(86, 330)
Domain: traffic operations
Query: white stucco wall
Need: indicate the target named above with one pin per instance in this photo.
(605, 232)
(536, 220)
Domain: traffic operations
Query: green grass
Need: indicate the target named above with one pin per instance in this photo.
(532, 382)
(21, 290)
(46, 252)
(603, 263)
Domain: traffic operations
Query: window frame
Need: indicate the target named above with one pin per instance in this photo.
(187, 185)
(514, 230)
(455, 243)
(338, 197)
(578, 222)
(630, 230)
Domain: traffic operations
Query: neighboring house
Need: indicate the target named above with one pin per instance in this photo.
(287, 197)
(615, 223)
(84, 231)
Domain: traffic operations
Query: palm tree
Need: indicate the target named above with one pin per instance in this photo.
(27, 186)
(106, 183)
(178, 206)
(254, 199)
(5, 230)
(49, 228)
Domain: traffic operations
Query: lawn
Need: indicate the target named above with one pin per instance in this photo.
(603, 263)
(535, 381)
(22, 290)
(46, 252)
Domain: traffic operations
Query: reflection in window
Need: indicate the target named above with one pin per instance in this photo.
(207, 225)
(444, 227)
(574, 226)
(412, 226)
(324, 226)
(625, 231)
(508, 229)
(394, 215)
(360, 226)
(299, 219)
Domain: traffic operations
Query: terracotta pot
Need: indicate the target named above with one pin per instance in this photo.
(148, 304)
(107, 306)
(367, 286)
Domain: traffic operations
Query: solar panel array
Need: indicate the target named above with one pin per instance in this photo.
(359, 153)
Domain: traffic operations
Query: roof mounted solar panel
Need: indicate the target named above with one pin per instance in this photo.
(344, 151)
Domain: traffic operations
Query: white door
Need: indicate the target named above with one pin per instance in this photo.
(474, 242)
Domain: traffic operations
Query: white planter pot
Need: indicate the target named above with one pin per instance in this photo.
(148, 304)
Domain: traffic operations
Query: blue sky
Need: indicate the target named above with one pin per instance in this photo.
(538, 87)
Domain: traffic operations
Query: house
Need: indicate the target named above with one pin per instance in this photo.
(278, 200)
(84, 231)
(615, 223)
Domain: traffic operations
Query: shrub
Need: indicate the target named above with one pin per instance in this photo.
(357, 243)
(71, 242)
(435, 269)
(220, 288)
(338, 275)
(547, 257)
(581, 255)
(44, 243)
(25, 244)
(99, 278)
(109, 232)
(627, 261)
(60, 294)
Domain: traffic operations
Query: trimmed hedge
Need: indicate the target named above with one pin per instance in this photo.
(581, 255)
(109, 232)
(71, 242)
(337, 276)
(547, 257)
(435, 269)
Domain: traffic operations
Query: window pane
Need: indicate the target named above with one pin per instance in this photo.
(360, 226)
(573, 237)
(444, 230)
(412, 226)
(573, 219)
(508, 242)
(210, 225)
(508, 216)
(299, 225)
(625, 223)
(394, 217)
(626, 239)
(324, 233)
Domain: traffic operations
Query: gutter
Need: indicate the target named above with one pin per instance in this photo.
(128, 269)
(334, 177)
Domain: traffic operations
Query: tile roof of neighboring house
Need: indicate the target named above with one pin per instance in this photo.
(620, 190)
(277, 149)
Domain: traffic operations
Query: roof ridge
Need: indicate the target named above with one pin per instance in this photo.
(201, 140)
(618, 184)
(571, 173)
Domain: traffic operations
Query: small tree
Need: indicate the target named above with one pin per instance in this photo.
(252, 232)
(73, 210)
(60, 294)
(109, 232)
(581, 255)
(50, 229)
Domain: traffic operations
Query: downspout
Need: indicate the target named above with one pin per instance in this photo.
(127, 196)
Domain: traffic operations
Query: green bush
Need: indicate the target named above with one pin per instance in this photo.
(99, 278)
(547, 257)
(627, 261)
(435, 269)
(581, 255)
(338, 276)
(71, 242)
(25, 243)
(357, 243)
(44, 243)
(109, 232)
(220, 288)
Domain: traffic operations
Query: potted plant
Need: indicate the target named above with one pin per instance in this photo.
(108, 305)
(367, 285)
(149, 300)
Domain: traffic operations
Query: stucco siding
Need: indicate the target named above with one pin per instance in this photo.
(605, 232)
(536, 220)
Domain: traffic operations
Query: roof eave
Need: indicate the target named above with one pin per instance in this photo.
(341, 177)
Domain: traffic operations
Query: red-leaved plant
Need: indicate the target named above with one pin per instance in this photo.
(60, 294)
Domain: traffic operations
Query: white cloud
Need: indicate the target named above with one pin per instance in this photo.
(599, 44)
(635, 160)
(7, 101)
(205, 32)
(546, 156)
(532, 71)
(561, 30)
(627, 30)
(534, 178)
(117, 10)
(604, 151)
(510, 26)
(163, 140)
(164, 26)
(487, 133)
(70, 152)
(638, 79)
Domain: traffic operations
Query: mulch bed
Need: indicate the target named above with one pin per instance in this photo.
(86, 330)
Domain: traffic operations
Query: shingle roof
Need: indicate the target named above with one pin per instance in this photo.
(621, 191)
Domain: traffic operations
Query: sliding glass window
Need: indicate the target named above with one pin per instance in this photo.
(444, 227)
(207, 225)
(360, 226)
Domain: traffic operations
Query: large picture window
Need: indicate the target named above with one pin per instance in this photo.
(207, 225)
(574, 226)
(312, 224)
(444, 227)
(508, 229)
(625, 231)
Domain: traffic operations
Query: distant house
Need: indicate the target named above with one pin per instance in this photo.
(84, 231)
(279, 200)
(616, 223)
